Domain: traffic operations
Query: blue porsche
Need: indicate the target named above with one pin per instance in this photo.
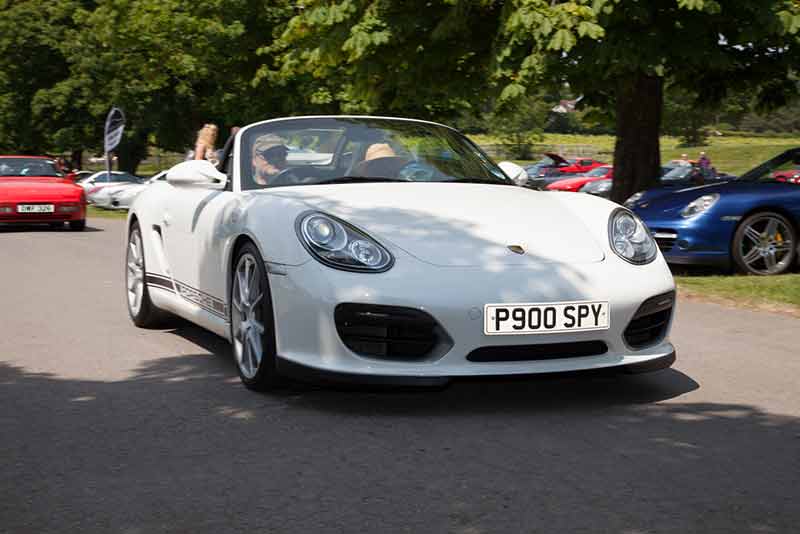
(751, 223)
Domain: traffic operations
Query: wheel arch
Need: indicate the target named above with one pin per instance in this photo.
(236, 244)
(763, 208)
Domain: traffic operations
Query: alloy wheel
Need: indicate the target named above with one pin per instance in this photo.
(135, 271)
(246, 315)
(766, 245)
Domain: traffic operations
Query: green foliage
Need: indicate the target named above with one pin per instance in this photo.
(519, 124)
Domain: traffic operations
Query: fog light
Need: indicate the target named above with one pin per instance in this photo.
(683, 244)
(68, 209)
(6, 209)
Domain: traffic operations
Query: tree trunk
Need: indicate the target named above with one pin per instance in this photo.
(637, 158)
(76, 159)
(131, 151)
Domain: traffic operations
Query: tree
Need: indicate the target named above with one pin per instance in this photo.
(29, 62)
(685, 117)
(427, 57)
(520, 123)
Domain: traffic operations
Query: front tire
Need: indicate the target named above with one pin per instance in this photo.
(764, 244)
(77, 226)
(143, 312)
(252, 321)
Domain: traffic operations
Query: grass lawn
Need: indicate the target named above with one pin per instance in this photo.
(91, 211)
(731, 153)
(759, 291)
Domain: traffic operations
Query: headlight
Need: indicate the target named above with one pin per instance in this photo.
(633, 199)
(339, 245)
(629, 237)
(598, 186)
(699, 205)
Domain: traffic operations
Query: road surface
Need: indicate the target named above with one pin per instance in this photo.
(108, 428)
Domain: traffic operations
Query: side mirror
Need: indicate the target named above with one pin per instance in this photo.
(197, 173)
(514, 171)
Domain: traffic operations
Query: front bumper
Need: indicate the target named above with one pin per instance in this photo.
(698, 241)
(305, 298)
(43, 218)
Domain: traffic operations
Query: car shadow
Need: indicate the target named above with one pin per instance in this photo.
(543, 392)
(179, 443)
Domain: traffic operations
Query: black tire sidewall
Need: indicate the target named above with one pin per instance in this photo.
(739, 235)
(266, 377)
(77, 225)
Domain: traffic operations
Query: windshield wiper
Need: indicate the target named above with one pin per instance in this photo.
(355, 179)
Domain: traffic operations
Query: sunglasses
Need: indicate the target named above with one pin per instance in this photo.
(273, 154)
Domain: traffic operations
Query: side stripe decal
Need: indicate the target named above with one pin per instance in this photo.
(208, 302)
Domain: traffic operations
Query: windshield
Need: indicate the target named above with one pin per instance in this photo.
(778, 168)
(28, 167)
(309, 151)
(124, 177)
(678, 173)
(598, 171)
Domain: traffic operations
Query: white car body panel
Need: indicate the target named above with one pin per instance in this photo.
(450, 245)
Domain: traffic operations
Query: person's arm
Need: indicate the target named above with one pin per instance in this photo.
(200, 151)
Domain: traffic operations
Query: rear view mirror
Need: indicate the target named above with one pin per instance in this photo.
(514, 171)
(197, 173)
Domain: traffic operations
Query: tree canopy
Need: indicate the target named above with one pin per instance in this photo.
(174, 64)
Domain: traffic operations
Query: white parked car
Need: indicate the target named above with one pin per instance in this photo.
(406, 256)
(121, 197)
(101, 179)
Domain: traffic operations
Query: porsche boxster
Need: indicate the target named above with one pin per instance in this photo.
(393, 250)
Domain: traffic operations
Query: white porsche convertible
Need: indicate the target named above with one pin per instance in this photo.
(393, 250)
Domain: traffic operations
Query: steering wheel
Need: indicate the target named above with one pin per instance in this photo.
(417, 172)
(285, 177)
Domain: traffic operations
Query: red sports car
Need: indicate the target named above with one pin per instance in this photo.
(575, 183)
(791, 174)
(33, 191)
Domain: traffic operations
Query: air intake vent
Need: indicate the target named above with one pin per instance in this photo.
(649, 324)
(665, 239)
(390, 332)
(543, 351)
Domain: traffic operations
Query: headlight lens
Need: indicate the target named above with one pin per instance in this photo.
(339, 245)
(699, 205)
(633, 199)
(630, 238)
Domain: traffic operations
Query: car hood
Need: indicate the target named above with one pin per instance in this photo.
(666, 200)
(32, 189)
(459, 224)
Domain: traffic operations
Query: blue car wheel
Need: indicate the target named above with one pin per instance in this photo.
(764, 244)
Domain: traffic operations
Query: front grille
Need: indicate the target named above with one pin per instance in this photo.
(390, 332)
(542, 351)
(650, 322)
(665, 239)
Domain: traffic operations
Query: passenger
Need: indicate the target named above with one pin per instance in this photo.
(204, 146)
(380, 161)
(269, 158)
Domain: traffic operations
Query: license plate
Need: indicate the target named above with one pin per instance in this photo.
(509, 319)
(35, 208)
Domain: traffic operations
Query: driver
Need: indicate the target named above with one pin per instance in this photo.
(269, 158)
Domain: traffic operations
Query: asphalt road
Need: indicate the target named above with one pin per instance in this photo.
(108, 428)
